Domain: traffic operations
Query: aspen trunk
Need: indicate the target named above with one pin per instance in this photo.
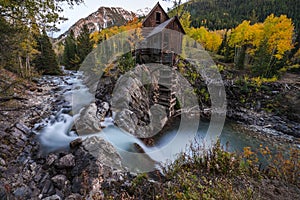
(21, 67)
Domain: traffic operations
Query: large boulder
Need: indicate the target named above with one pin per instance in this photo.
(102, 151)
(88, 122)
(95, 159)
(132, 100)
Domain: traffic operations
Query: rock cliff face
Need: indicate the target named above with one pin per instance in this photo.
(131, 101)
(104, 17)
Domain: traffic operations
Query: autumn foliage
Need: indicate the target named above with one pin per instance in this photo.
(266, 43)
(261, 47)
(104, 34)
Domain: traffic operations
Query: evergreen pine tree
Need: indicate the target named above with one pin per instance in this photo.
(70, 55)
(46, 61)
(84, 43)
(261, 60)
(223, 45)
(296, 47)
(265, 65)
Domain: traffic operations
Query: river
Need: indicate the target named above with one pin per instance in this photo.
(55, 133)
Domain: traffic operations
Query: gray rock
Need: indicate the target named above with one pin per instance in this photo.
(76, 184)
(33, 166)
(3, 193)
(18, 134)
(88, 122)
(22, 192)
(59, 181)
(45, 177)
(158, 120)
(48, 188)
(53, 197)
(131, 103)
(74, 197)
(94, 158)
(2, 162)
(103, 109)
(105, 106)
(103, 151)
(127, 121)
(66, 161)
(23, 128)
(50, 159)
(75, 143)
(38, 177)
(2, 169)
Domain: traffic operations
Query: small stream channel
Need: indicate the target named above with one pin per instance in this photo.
(55, 133)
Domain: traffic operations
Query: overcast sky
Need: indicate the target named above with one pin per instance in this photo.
(90, 6)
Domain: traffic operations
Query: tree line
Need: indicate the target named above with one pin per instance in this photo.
(25, 47)
(226, 14)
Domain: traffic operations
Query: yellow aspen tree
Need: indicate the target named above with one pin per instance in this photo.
(241, 35)
(274, 41)
(279, 34)
(186, 21)
(257, 36)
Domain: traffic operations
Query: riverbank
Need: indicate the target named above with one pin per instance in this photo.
(268, 108)
(32, 103)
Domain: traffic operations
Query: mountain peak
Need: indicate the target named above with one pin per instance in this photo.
(143, 12)
(104, 17)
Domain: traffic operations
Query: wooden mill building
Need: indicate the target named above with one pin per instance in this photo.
(162, 43)
(162, 32)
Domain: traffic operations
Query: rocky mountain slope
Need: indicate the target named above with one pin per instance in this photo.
(104, 17)
(143, 12)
